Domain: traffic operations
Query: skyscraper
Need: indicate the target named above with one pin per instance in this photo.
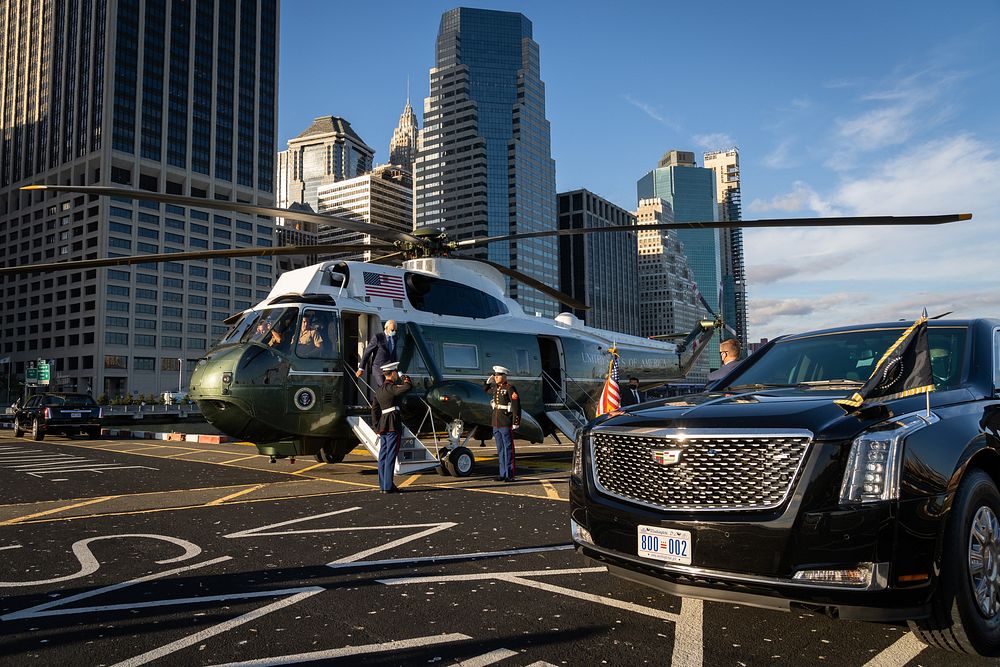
(726, 165)
(403, 145)
(166, 95)
(484, 166)
(690, 191)
(666, 284)
(599, 269)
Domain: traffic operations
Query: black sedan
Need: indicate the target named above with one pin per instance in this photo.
(70, 414)
(764, 492)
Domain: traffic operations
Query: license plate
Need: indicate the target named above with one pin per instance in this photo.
(76, 415)
(666, 544)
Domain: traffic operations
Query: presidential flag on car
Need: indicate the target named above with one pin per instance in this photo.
(610, 399)
(904, 370)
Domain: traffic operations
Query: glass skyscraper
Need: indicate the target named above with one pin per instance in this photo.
(163, 95)
(690, 191)
(484, 166)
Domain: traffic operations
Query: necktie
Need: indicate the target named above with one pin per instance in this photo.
(635, 392)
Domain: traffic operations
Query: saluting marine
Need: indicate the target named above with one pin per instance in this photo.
(388, 423)
(506, 419)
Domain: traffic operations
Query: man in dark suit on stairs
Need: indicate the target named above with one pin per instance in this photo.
(381, 350)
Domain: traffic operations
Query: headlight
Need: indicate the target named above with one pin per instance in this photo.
(578, 455)
(873, 466)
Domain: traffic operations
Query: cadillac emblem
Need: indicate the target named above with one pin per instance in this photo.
(666, 457)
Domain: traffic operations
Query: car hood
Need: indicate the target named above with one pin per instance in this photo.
(787, 408)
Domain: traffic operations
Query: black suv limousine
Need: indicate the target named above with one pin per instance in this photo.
(70, 414)
(765, 492)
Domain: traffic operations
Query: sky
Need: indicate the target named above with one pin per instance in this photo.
(847, 108)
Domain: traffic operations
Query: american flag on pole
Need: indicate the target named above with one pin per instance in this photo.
(610, 399)
(383, 285)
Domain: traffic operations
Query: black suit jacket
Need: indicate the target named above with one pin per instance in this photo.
(627, 397)
(377, 353)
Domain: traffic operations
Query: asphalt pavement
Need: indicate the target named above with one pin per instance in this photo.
(133, 552)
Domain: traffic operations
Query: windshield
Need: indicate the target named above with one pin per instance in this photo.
(239, 330)
(849, 357)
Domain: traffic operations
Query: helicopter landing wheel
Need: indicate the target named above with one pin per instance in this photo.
(460, 462)
(326, 454)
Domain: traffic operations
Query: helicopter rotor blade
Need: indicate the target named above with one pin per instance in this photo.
(75, 265)
(940, 315)
(525, 279)
(856, 221)
(382, 233)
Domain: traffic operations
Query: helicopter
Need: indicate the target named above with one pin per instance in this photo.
(260, 383)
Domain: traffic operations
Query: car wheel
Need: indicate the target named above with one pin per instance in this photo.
(93, 433)
(460, 462)
(36, 430)
(18, 432)
(965, 611)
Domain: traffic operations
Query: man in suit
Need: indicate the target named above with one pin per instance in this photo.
(729, 354)
(381, 350)
(630, 393)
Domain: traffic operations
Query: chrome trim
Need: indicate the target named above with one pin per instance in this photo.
(676, 433)
(879, 581)
(294, 372)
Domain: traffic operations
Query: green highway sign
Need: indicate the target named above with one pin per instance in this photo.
(43, 373)
(31, 375)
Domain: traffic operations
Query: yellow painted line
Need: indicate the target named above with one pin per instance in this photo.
(242, 458)
(174, 456)
(367, 466)
(305, 470)
(409, 480)
(550, 491)
(55, 510)
(219, 501)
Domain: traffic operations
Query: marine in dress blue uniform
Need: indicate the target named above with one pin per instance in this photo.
(388, 423)
(506, 419)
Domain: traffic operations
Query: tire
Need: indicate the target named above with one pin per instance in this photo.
(961, 620)
(460, 462)
(36, 430)
(329, 454)
(93, 433)
(18, 432)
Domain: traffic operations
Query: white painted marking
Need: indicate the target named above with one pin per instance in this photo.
(89, 564)
(434, 559)
(350, 650)
(93, 470)
(688, 640)
(12, 546)
(589, 597)
(541, 663)
(489, 658)
(902, 651)
(255, 532)
(444, 578)
(172, 647)
(434, 528)
(31, 612)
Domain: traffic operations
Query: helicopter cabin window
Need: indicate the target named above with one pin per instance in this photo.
(445, 297)
(460, 355)
(241, 330)
(523, 364)
(317, 338)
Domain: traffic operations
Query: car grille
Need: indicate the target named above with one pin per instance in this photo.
(712, 471)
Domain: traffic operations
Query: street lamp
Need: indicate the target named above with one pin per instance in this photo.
(180, 375)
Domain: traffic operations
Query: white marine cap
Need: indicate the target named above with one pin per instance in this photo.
(501, 370)
(389, 367)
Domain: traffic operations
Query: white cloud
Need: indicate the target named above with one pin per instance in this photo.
(781, 156)
(714, 141)
(652, 112)
(801, 198)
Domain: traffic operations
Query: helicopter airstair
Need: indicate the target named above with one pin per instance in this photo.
(413, 455)
(567, 415)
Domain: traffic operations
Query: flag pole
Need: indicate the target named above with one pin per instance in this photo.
(928, 395)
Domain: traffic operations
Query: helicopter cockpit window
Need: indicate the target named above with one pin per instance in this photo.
(275, 328)
(242, 329)
(444, 297)
(317, 337)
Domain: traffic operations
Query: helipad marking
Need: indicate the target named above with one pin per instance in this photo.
(347, 651)
(56, 510)
(89, 564)
(409, 480)
(190, 640)
(902, 651)
(259, 532)
(251, 489)
(478, 555)
(489, 658)
(312, 467)
(550, 491)
(242, 458)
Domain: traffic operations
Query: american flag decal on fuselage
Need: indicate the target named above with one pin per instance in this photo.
(383, 285)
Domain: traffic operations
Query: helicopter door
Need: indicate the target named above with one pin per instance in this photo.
(553, 377)
(353, 341)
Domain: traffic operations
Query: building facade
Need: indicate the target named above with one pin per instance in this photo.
(668, 304)
(167, 96)
(403, 145)
(690, 191)
(599, 270)
(484, 166)
(726, 165)
(383, 198)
